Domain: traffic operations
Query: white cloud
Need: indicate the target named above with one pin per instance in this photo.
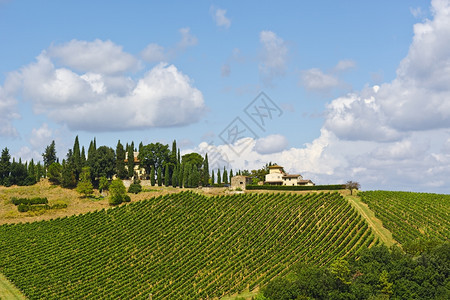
(344, 65)
(8, 105)
(315, 80)
(154, 53)
(220, 18)
(271, 144)
(274, 56)
(26, 155)
(98, 56)
(102, 101)
(41, 137)
(187, 39)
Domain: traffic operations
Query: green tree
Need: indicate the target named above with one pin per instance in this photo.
(225, 176)
(205, 171)
(54, 173)
(5, 167)
(118, 192)
(130, 160)
(231, 175)
(152, 176)
(193, 159)
(103, 184)
(175, 177)
(84, 186)
(154, 155)
(19, 174)
(68, 179)
(159, 176)
(76, 159)
(218, 177)
(49, 155)
(166, 175)
(212, 178)
(104, 163)
(120, 161)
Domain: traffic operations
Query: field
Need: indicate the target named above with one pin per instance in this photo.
(411, 216)
(177, 246)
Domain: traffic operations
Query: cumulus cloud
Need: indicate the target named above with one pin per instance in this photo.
(220, 18)
(271, 144)
(103, 98)
(344, 65)
(41, 136)
(273, 57)
(98, 56)
(8, 105)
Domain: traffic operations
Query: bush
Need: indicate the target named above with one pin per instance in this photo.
(118, 192)
(29, 201)
(135, 188)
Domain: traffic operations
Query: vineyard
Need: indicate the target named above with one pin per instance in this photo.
(410, 216)
(179, 246)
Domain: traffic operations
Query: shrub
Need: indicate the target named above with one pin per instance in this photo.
(135, 188)
(297, 187)
(118, 192)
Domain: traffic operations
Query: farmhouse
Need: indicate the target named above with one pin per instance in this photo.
(277, 176)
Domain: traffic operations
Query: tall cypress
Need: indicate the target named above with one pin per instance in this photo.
(205, 171)
(212, 178)
(166, 175)
(120, 161)
(219, 179)
(152, 175)
(130, 158)
(83, 157)
(5, 166)
(225, 176)
(159, 176)
(76, 159)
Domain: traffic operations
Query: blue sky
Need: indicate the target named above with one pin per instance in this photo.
(358, 89)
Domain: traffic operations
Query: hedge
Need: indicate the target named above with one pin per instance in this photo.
(297, 187)
(29, 201)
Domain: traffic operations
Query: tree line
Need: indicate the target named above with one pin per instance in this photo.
(163, 166)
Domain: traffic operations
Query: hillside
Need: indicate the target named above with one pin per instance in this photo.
(411, 216)
(179, 245)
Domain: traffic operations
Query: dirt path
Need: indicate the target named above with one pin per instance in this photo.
(9, 291)
(377, 226)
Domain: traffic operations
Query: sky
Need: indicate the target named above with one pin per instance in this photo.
(332, 90)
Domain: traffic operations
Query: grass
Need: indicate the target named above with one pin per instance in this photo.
(8, 290)
(377, 226)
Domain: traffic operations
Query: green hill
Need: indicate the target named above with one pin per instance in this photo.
(179, 246)
(411, 216)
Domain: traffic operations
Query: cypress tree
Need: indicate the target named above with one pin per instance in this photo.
(152, 175)
(225, 176)
(173, 153)
(166, 176)
(231, 175)
(205, 171)
(130, 163)
(49, 155)
(5, 166)
(218, 177)
(212, 178)
(159, 175)
(181, 175)
(76, 158)
(186, 171)
(175, 176)
(120, 161)
(83, 157)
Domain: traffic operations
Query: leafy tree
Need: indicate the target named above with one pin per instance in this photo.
(54, 173)
(193, 159)
(103, 184)
(120, 161)
(5, 166)
(134, 188)
(352, 185)
(84, 186)
(104, 163)
(154, 155)
(118, 192)
(49, 155)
